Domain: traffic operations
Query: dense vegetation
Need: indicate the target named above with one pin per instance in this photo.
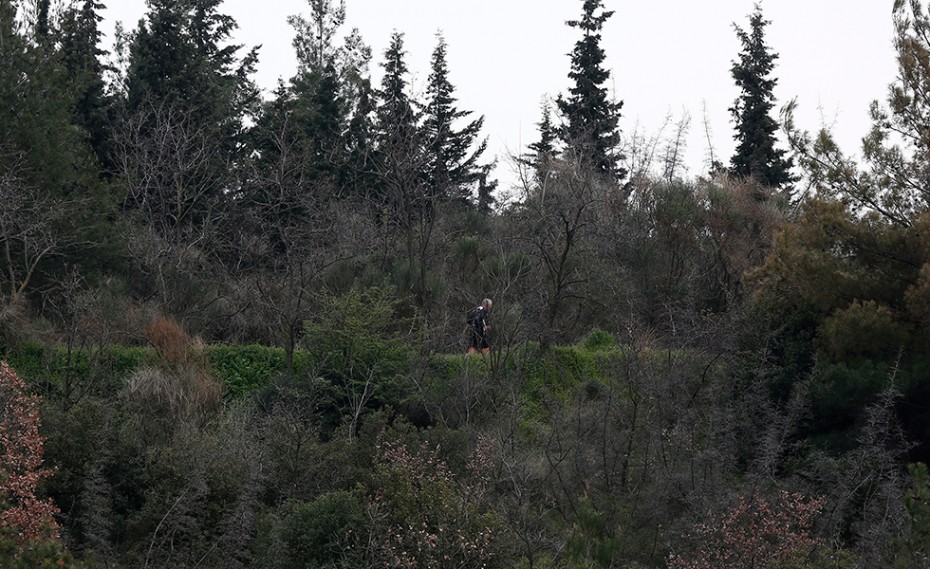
(233, 324)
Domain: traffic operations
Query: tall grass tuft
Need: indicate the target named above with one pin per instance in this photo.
(183, 386)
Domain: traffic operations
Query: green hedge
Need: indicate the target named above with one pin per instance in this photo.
(104, 369)
(556, 370)
(243, 368)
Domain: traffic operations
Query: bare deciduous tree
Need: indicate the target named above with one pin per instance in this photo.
(555, 221)
(178, 178)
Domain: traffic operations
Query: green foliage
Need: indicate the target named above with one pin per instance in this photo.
(244, 368)
(358, 343)
(359, 332)
(756, 155)
(34, 554)
(593, 544)
(591, 134)
(558, 370)
(72, 445)
(103, 370)
(862, 330)
(840, 392)
(320, 533)
(599, 341)
(442, 371)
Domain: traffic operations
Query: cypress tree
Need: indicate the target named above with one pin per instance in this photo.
(591, 131)
(756, 155)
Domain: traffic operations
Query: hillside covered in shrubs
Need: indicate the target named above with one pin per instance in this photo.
(233, 326)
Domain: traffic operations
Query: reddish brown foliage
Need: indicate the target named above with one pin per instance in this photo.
(756, 533)
(186, 385)
(169, 339)
(21, 511)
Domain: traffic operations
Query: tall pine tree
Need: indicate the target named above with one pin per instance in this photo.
(180, 56)
(756, 155)
(401, 162)
(397, 118)
(453, 171)
(543, 151)
(399, 150)
(591, 132)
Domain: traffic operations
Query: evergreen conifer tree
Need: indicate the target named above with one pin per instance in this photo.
(161, 57)
(359, 176)
(397, 118)
(79, 38)
(486, 198)
(320, 115)
(756, 155)
(401, 162)
(183, 74)
(179, 56)
(315, 39)
(331, 94)
(591, 131)
(47, 170)
(544, 149)
(452, 169)
(399, 152)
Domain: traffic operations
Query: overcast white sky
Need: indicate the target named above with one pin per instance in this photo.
(665, 56)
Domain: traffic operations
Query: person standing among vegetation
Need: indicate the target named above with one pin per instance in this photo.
(479, 326)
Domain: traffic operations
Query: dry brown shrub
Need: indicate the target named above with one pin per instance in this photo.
(169, 339)
(186, 385)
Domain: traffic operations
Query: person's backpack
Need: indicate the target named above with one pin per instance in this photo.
(474, 316)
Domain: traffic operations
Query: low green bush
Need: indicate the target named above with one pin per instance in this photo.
(244, 368)
(99, 371)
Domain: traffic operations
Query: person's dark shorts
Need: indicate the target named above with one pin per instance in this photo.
(478, 341)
